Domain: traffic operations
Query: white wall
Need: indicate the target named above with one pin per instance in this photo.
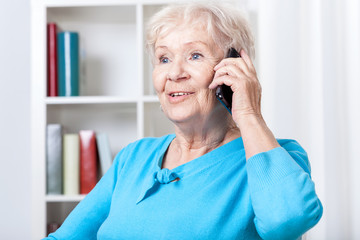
(15, 120)
(309, 58)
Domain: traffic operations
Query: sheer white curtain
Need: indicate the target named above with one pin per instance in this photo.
(309, 65)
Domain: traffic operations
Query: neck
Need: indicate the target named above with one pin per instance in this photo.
(202, 135)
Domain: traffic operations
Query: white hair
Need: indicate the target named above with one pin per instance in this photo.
(226, 25)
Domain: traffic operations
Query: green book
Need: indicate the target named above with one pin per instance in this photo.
(68, 63)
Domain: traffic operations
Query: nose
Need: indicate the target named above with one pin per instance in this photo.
(177, 71)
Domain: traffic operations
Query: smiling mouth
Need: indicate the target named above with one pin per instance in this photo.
(179, 94)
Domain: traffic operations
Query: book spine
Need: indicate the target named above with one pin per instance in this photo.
(71, 159)
(52, 227)
(54, 159)
(104, 150)
(88, 161)
(52, 74)
(68, 63)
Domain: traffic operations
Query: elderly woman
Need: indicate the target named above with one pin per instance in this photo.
(221, 175)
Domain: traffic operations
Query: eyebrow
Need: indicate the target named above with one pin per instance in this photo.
(188, 43)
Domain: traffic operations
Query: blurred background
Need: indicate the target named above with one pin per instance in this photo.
(308, 61)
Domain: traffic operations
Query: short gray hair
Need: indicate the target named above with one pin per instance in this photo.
(227, 26)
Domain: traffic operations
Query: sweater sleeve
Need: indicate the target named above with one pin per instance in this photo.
(282, 192)
(84, 221)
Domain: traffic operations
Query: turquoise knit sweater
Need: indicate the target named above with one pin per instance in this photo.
(219, 195)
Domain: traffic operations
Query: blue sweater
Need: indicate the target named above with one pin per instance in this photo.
(219, 195)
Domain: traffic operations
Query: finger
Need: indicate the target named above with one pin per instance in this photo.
(235, 71)
(230, 70)
(239, 62)
(225, 79)
(247, 60)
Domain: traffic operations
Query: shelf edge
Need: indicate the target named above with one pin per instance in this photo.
(88, 100)
(64, 198)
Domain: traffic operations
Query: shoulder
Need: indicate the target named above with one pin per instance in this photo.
(290, 144)
(297, 152)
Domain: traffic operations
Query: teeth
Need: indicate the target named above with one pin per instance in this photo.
(179, 94)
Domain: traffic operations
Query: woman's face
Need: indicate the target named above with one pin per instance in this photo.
(183, 70)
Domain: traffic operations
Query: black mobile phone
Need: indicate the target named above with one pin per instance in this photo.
(224, 93)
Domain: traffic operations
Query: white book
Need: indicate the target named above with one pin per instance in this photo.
(71, 164)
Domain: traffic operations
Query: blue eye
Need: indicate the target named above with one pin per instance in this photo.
(196, 56)
(164, 60)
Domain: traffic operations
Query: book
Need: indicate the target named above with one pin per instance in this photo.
(52, 75)
(68, 63)
(52, 227)
(88, 161)
(71, 162)
(104, 151)
(54, 159)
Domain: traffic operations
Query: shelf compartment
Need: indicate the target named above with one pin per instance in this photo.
(108, 52)
(119, 121)
(148, 12)
(58, 211)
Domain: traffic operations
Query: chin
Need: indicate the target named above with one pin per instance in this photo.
(182, 114)
(180, 117)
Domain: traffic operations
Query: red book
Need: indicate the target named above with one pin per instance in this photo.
(52, 76)
(88, 161)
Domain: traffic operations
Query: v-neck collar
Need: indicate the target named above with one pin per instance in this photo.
(166, 176)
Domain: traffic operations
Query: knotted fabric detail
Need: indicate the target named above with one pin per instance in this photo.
(154, 181)
(164, 176)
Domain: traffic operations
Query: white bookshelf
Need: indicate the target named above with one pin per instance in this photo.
(115, 97)
(116, 93)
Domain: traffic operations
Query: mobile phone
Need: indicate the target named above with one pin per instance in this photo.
(224, 93)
